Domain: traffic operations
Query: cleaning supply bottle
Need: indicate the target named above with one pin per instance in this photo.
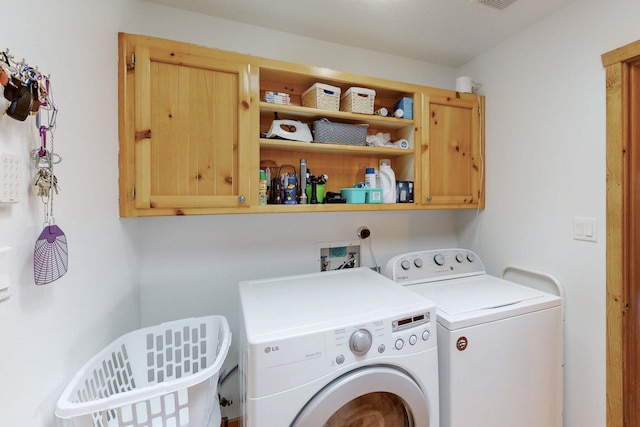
(387, 181)
(370, 177)
(262, 188)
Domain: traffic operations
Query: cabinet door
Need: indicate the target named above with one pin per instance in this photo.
(191, 118)
(452, 152)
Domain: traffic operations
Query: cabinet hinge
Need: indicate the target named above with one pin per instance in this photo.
(133, 192)
(132, 65)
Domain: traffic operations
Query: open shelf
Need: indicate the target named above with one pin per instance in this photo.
(313, 147)
(307, 114)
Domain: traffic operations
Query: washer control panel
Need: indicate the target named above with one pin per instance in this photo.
(389, 337)
(433, 265)
(290, 361)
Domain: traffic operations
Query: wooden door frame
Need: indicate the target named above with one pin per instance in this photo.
(619, 268)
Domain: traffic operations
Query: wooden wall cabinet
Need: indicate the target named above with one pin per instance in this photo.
(452, 151)
(192, 123)
(185, 127)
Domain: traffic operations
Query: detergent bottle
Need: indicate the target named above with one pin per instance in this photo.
(387, 181)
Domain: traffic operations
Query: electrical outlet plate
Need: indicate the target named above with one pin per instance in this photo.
(338, 255)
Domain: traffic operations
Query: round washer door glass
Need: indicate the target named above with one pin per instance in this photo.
(394, 400)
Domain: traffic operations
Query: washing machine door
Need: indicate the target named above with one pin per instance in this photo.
(375, 396)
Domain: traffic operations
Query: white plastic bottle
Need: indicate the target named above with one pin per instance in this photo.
(387, 181)
(370, 178)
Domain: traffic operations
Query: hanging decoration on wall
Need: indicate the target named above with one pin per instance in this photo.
(51, 255)
(24, 87)
(29, 92)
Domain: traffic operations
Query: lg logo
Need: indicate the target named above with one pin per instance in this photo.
(270, 349)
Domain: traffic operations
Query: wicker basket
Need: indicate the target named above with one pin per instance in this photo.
(322, 96)
(358, 100)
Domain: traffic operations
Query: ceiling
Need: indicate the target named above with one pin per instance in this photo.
(444, 32)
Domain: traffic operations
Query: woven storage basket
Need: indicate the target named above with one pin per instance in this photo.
(339, 133)
(322, 96)
(358, 100)
(160, 376)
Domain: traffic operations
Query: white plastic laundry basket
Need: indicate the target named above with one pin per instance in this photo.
(160, 376)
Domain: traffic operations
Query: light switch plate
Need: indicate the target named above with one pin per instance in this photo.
(10, 173)
(5, 256)
(585, 229)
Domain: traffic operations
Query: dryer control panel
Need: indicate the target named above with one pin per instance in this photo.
(433, 265)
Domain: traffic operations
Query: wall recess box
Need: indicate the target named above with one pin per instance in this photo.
(337, 255)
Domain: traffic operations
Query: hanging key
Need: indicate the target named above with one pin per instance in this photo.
(44, 181)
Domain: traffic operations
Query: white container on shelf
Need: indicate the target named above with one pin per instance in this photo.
(387, 181)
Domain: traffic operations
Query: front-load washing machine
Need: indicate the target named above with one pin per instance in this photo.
(339, 348)
(500, 344)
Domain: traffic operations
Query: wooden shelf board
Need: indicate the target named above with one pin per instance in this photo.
(314, 147)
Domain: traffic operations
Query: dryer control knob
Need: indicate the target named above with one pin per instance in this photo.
(405, 264)
(439, 259)
(360, 342)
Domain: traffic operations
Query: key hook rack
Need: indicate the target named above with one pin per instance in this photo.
(26, 88)
(28, 92)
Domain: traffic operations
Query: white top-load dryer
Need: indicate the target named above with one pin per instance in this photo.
(338, 348)
(500, 344)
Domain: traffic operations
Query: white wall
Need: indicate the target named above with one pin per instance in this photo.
(47, 332)
(159, 21)
(546, 165)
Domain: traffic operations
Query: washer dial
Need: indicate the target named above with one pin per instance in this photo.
(360, 342)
